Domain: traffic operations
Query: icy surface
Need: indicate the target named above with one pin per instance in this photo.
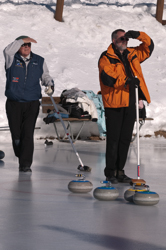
(39, 212)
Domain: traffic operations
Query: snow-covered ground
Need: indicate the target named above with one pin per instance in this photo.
(72, 48)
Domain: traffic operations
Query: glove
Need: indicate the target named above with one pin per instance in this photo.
(132, 34)
(49, 90)
(133, 80)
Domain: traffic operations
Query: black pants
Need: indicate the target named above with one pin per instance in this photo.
(22, 119)
(119, 126)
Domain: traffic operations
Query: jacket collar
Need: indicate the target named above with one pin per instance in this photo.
(113, 52)
(18, 56)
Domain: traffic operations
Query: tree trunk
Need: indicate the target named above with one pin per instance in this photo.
(159, 10)
(59, 10)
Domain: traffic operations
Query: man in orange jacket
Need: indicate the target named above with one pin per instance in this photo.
(119, 73)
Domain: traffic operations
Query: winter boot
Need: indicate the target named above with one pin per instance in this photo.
(112, 178)
(121, 177)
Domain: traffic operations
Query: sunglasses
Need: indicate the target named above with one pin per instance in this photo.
(122, 39)
(26, 44)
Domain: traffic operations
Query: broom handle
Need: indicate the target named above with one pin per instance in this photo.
(137, 121)
(67, 133)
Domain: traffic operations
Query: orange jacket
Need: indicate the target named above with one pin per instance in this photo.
(114, 92)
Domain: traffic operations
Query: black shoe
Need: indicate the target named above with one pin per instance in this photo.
(123, 178)
(112, 179)
(25, 170)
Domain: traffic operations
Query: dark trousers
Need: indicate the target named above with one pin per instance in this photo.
(119, 126)
(22, 119)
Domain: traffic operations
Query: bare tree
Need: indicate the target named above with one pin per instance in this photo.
(159, 12)
(59, 10)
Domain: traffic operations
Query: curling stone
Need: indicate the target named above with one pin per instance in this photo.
(2, 154)
(106, 193)
(128, 195)
(147, 198)
(80, 185)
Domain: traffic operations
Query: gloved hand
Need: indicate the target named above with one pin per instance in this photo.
(49, 90)
(132, 34)
(133, 80)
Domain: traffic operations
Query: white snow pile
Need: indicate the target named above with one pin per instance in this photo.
(72, 48)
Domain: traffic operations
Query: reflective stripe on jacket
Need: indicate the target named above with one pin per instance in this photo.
(114, 92)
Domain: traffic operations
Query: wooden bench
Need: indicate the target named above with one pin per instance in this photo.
(47, 104)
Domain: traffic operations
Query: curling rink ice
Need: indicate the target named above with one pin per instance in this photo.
(37, 211)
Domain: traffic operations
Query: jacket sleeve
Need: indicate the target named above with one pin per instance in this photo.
(109, 76)
(10, 51)
(46, 78)
(145, 49)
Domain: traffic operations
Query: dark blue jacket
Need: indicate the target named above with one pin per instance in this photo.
(24, 85)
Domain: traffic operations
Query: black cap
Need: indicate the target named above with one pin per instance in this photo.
(21, 37)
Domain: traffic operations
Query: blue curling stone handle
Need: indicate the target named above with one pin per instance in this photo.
(146, 192)
(106, 187)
